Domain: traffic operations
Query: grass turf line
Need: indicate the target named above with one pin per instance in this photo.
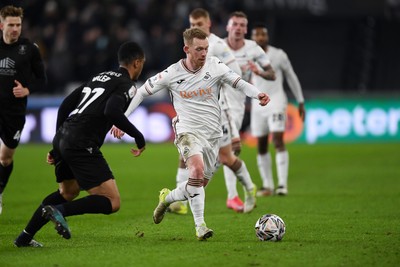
(342, 210)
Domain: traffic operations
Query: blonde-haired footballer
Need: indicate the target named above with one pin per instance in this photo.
(194, 84)
(200, 18)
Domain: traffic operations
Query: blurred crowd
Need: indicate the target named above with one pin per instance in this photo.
(80, 38)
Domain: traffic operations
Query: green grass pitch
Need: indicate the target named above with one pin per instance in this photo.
(343, 209)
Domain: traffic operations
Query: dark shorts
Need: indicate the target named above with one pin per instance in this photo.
(87, 166)
(11, 126)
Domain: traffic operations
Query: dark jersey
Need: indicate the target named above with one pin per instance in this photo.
(20, 61)
(87, 114)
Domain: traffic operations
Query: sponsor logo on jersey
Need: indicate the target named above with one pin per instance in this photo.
(180, 81)
(7, 67)
(197, 92)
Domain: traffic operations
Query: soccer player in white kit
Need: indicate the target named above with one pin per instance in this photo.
(272, 119)
(194, 84)
(200, 18)
(246, 52)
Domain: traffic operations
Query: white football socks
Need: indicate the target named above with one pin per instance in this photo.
(265, 169)
(230, 182)
(196, 202)
(182, 175)
(244, 178)
(282, 167)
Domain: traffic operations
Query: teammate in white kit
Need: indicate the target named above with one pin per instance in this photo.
(194, 84)
(272, 119)
(200, 18)
(246, 53)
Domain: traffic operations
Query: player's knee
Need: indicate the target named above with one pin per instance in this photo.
(198, 173)
(69, 195)
(279, 144)
(223, 159)
(6, 161)
(115, 204)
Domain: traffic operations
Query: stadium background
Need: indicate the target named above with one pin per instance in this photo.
(345, 53)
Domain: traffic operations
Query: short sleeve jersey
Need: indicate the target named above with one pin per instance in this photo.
(281, 65)
(253, 52)
(87, 124)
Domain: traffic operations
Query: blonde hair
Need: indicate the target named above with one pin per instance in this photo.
(190, 34)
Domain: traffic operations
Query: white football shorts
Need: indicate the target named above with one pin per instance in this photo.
(263, 123)
(189, 144)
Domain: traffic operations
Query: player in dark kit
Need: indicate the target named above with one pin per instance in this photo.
(84, 118)
(21, 73)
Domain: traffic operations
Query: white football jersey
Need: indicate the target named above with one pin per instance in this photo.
(194, 95)
(249, 52)
(218, 48)
(283, 69)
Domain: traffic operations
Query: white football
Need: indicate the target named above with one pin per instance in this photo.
(270, 227)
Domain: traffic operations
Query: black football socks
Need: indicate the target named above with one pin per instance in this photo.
(89, 204)
(5, 173)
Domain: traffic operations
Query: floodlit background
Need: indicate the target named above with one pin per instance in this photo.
(345, 52)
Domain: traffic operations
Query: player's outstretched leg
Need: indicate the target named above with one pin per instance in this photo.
(203, 232)
(161, 209)
(53, 214)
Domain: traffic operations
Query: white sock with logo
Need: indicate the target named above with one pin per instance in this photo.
(282, 167)
(178, 194)
(182, 175)
(230, 182)
(196, 202)
(265, 169)
(244, 178)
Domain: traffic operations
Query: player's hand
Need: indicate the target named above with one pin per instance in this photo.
(263, 98)
(116, 132)
(137, 152)
(253, 67)
(302, 111)
(19, 91)
(50, 159)
(236, 146)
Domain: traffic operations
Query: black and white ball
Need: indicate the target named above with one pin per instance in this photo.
(270, 227)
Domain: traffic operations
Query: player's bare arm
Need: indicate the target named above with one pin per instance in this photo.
(302, 111)
(267, 73)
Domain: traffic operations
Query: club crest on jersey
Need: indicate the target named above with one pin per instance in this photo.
(22, 49)
(207, 76)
